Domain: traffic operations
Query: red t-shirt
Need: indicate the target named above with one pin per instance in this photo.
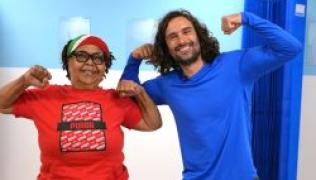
(79, 131)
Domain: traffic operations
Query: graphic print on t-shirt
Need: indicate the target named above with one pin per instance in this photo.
(81, 128)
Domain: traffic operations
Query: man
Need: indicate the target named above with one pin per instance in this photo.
(209, 92)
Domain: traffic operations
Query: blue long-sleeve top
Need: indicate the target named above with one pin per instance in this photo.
(212, 108)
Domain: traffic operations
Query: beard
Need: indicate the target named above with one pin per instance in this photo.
(188, 59)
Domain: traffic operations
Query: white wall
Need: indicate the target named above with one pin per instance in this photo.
(307, 145)
(149, 155)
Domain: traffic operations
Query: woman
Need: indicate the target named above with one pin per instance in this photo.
(79, 125)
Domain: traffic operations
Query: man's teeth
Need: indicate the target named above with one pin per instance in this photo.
(184, 48)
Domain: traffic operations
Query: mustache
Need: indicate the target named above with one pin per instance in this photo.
(182, 45)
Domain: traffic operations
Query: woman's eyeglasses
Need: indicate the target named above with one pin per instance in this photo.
(83, 56)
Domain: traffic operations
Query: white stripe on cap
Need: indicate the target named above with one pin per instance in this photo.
(77, 43)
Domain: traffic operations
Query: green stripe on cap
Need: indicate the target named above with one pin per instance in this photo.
(75, 43)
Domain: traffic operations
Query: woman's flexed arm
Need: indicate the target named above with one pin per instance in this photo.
(36, 76)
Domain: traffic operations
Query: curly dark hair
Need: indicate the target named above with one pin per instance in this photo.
(162, 59)
(65, 59)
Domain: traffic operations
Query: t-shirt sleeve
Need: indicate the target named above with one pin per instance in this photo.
(154, 89)
(23, 106)
(132, 113)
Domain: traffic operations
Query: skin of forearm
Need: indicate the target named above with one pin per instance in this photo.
(149, 110)
(10, 92)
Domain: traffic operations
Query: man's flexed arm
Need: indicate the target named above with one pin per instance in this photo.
(131, 69)
(279, 47)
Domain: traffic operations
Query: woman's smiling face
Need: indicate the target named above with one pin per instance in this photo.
(88, 74)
